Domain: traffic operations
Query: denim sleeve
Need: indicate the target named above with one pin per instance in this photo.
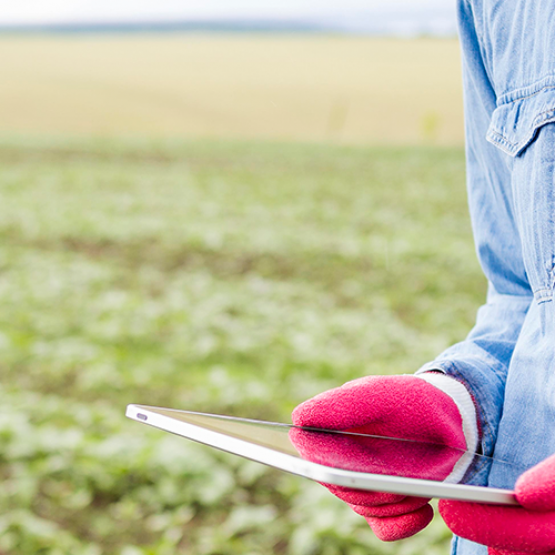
(482, 360)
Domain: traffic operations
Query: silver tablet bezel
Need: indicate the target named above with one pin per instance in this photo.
(320, 473)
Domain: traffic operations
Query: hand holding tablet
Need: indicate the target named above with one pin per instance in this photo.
(514, 530)
(383, 444)
(270, 443)
(396, 406)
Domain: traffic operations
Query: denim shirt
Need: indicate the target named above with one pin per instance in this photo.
(508, 360)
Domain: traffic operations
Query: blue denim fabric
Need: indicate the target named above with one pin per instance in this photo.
(508, 360)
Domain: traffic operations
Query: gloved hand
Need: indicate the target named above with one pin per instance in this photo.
(405, 407)
(375, 455)
(511, 530)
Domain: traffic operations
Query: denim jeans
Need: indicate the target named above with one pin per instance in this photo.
(508, 359)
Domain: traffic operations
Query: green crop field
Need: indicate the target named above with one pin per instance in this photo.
(237, 278)
(222, 224)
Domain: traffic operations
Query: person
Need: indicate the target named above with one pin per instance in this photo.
(495, 389)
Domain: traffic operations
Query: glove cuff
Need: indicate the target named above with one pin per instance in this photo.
(467, 409)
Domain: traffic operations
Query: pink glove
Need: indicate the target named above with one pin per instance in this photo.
(511, 530)
(404, 407)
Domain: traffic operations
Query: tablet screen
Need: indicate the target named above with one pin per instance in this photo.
(348, 451)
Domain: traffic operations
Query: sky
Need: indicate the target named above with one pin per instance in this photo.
(350, 14)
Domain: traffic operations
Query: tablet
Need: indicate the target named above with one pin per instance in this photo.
(350, 460)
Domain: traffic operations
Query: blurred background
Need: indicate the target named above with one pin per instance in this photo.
(224, 207)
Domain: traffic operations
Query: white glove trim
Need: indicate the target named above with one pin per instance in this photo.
(462, 398)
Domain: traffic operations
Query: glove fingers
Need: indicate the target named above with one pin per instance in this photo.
(364, 498)
(535, 489)
(408, 505)
(395, 528)
(502, 528)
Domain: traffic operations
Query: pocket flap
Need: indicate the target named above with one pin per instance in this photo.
(515, 124)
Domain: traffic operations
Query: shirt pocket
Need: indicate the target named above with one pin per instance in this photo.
(519, 116)
(522, 127)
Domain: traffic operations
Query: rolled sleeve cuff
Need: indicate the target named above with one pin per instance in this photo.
(486, 389)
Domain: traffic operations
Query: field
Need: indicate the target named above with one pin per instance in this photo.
(219, 275)
(340, 89)
(226, 277)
